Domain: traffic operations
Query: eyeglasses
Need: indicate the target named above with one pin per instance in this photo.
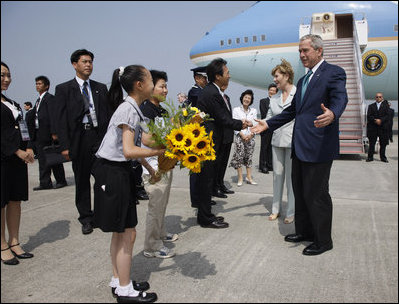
(378, 97)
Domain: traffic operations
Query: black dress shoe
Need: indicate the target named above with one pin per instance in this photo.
(149, 297)
(226, 191)
(139, 286)
(369, 159)
(216, 224)
(220, 218)
(60, 185)
(194, 206)
(25, 255)
(385, 160)
(265, 171)
(87, 228)
(314, 249)
(296, 238)
(219, 193)
(43, 187)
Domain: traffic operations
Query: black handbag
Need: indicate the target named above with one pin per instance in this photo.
(53, 155)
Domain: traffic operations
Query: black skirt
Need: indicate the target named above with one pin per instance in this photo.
(114, 196)
(14, 180)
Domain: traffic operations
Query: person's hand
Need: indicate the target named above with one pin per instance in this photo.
(378, 121)
(65, 153)
(249, 123)
(160, 151)
(54, 137)
(324, 119)
(260, 127)
(26, 156)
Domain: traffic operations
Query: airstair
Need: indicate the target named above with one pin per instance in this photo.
(342, 48)
(352, 123)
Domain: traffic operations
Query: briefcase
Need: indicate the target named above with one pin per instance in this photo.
(53, 155)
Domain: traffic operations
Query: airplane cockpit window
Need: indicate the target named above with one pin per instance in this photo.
(246, 39)
(263, 38)
(221, 42)
(229, 42)
(254, 38)
(237, 40)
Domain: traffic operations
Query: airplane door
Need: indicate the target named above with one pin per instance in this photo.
(344, 25)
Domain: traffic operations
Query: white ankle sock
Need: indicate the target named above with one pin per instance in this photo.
(114, 282)
(126, 291)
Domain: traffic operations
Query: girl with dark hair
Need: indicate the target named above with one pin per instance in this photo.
(114, 188)
(244, 141)
(15, 154)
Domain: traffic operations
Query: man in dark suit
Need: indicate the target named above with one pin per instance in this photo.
(390, 126)
(378, 126)
(41, 125)
(213, 102)
(201, 80)
(219, 188)
(265, 155)
(83, 117)
(319, 102)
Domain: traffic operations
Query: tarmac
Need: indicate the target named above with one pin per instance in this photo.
(249, 262)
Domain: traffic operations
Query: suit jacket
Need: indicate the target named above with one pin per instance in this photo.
(211, 102)
(228, 133)
(47, 120)
(264, 105)
(374, 113)
(193, 94)
(11, 139)
(70, 111)
(311, 144)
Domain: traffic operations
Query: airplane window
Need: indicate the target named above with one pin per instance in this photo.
(221, 42)
(246, 39)
(263, 37)
(238, 40)
(229, 42)
(395, 28)
(253, 38)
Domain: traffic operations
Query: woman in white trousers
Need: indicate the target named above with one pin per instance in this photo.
(281, 141)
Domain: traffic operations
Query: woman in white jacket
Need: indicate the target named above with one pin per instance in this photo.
(281, 141)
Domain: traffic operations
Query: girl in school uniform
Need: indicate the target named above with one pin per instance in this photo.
(114, 188)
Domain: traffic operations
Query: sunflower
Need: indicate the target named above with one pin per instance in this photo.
(189, 141)
(192, 162)
(197, 130)
(176, 137)
(201, 146)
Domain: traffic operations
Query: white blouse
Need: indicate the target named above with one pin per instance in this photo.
(250, 114)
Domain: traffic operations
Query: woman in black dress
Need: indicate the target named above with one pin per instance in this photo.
(15, 155)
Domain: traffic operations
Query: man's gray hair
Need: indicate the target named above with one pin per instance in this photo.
(316, 41)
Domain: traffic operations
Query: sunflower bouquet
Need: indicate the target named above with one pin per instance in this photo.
(184, 139)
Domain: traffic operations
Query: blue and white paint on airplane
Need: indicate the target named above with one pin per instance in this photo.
(254, 41)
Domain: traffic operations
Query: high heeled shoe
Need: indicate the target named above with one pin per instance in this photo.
(239, 184)
(25, 255)
(13, 261)
(273, 216)
(251, 182)
(289, 220)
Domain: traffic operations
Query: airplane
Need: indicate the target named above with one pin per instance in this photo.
(360, 36)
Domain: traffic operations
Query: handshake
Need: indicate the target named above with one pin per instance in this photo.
(246, 124)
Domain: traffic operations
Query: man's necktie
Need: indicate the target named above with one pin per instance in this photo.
(37, 103)
(86, 97)
(305, 84)
(225, 100)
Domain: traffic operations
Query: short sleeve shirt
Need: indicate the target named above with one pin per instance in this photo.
(128, 113)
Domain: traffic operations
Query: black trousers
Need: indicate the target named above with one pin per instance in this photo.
(265, 155)
(45, 171)
(194, 189)
(383, 140)
(204, 186)
(313, 204)
(82, 166)
(222, 161)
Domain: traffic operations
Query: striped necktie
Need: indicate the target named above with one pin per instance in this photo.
(305, 83)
